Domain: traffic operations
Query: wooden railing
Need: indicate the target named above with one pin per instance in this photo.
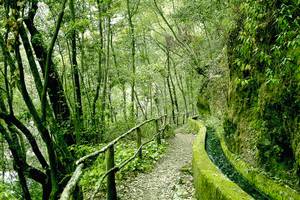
(111, 169)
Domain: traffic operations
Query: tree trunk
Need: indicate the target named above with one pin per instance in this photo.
(140, 105)
(169, 87)
(185, 96)
(121, 81)
(132, 37)
(124, 101)
(15, 149)
(151, 100)
(100, 58)
(56, 93)
(41, 128)
(175, 96)
(75, 70)
(180, 86)
(105, 81)
(111, 108)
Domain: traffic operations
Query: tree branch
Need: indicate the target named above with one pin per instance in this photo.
(12, 119)
(48, 60)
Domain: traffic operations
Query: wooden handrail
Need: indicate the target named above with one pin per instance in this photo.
(70, 187)
(96, 153)
(68, 190)
(124, 163)
(111, 168)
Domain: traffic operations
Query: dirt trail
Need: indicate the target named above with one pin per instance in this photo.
(169, 180)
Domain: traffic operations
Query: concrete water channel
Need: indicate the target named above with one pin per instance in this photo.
(217, 156)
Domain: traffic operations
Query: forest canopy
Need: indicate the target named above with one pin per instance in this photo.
(76, 74)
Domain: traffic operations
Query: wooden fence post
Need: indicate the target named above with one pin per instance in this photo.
(163, 124)
(158, 139)
(111, 183)
(139, 141)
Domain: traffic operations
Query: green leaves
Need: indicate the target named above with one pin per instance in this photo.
(123, 151)
(81, 25)
(7, 192)
(264, 57)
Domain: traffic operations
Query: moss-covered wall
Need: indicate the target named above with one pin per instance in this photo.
(275, 190)
(263, 122)
(209, 182)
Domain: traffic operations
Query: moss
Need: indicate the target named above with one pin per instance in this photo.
(230, 130)
(264, 88)
(275, 190)
(203, 105)
(37, 39)
(209, 182)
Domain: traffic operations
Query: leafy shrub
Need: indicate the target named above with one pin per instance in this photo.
(123, 151)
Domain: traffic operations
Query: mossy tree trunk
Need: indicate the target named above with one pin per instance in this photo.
(131, 10)
(56, 93)
(75, 72)
(100, 62)
(53, 172)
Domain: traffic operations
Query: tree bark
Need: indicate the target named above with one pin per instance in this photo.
(106, 75)
(100, 58)
(39, 123)
(175, 95)
(133, 52)
(123, 86)
(75, 70)
(56, 93)
(15, 149)
(169, 87)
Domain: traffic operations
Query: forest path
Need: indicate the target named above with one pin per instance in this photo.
(171, 178)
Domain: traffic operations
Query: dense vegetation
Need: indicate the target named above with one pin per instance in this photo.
(76, 74)
(252, 83)
(256, 98)
(263, 55)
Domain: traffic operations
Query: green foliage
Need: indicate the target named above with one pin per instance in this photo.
(6, 192)
(92, 69)
(35, 190)
(263, 51)
(114, 130)
(12, 191)
(203, 105)
(275, 188)
(169, 131)
(151, 154)
(37, 39)
(123, 151)
(80, 25)
(230, 129)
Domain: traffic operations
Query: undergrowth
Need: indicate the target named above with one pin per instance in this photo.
(123, 151)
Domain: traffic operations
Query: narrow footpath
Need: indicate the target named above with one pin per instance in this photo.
(171, 178)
